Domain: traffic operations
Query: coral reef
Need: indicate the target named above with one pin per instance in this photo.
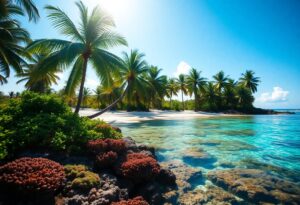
(32, 175)
(139, 167)
(106, 159)
(105, 145)
(135, 201)
(256, 186)
(80, 178)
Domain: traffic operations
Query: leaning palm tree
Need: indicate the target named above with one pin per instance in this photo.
(172, 89)
(132, 79)
(181, 81)
(107, 93)
(249, 81)
(40, 84)
(88, 43)
(196, 84)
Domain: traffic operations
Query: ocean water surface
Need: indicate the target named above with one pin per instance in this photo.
(266, 142)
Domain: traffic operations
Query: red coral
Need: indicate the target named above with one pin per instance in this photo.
(32, 175)
(139, 167)
(106, 159)
(97, 146)
(116, 145)
(105, 145)
(135, 201)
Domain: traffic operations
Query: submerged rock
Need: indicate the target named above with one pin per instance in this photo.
(197, 156)
(211, 195)
(256, 186)
(186, 176)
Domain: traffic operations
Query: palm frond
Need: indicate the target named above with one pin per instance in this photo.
(47, 45)
(63, 23)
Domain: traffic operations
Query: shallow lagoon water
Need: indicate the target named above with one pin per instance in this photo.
(266, 142)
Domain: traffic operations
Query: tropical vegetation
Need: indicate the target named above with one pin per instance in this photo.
(126, 82)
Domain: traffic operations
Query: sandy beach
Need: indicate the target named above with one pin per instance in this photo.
(131, 117)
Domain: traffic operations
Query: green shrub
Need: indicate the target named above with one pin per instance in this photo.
(80, 178)
(45, 122)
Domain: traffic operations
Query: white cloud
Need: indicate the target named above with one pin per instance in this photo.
(277, 95)
(182, 68)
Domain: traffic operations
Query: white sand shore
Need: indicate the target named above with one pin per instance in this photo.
(125, 117)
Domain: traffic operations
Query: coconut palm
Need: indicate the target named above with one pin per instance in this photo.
(196, 84)
(210, 95)
(40, 84)
(249, 81)
(25, 5)
(12, 53)
(172, 89)
(108, 93)
(244, 97)
(86, 94)
(181, 81)
(89, 43)
(220, 81)
(132, 79)
(229, 93)
(157, 84)
(11, 94)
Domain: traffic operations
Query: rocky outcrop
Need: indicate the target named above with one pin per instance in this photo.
(198, 156)
(256, 186)
(186, 176)
(211, 195)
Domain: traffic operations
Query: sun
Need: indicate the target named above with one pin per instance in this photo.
(115, 7)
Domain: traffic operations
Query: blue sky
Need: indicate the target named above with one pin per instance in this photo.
(210, 35)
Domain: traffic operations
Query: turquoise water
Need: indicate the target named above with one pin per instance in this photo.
(267, 142)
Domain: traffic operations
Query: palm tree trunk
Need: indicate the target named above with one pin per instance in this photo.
(182, 99)
(110, 106)
(80, 95)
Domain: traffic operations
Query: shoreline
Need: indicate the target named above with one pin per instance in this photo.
(117, 117)
(139, 116)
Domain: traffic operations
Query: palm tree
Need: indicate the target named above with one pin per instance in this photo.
(40, 84)
(220, 81)
(98, 93)
(157, 84)
(12, 53)
(249, 81)
(210, 95)
(181, 81)
(132, 79)
(172, 89)
(25, 5)
(12, 35)
(86, 94)
(244, 97)
(88, 43)
(196, 84)
(11, 94)
(229, 93)
(107, 93)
